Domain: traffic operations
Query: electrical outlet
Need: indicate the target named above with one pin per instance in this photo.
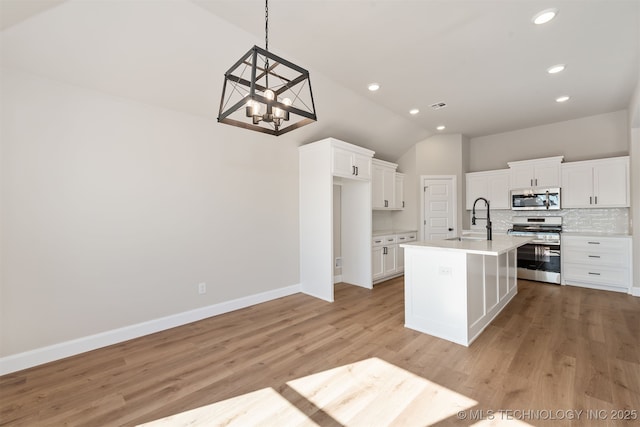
(338, 262)
(202, 288)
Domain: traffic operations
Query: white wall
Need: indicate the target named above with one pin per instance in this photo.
(603, 135)
(113, 212)
(120, 192)
(437, 155)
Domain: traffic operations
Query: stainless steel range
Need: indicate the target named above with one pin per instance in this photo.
(540, 259)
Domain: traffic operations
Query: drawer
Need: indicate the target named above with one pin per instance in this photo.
(390, 240)
(596, 274)
(378, 241)
(595, 257)
(599, 244)
(406, 237)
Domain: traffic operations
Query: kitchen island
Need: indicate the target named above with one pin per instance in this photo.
(454, 288)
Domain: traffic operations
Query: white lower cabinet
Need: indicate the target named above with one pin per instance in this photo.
(387, 257)
(598, 262)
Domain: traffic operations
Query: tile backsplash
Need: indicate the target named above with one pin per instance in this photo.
(612, 220)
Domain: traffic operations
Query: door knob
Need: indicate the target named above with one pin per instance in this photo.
(450, 229)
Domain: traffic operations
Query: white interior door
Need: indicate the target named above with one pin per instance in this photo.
(439, 208)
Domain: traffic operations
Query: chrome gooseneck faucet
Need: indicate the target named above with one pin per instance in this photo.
(488, 218)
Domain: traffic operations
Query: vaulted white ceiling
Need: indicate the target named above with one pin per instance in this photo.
(484, 59)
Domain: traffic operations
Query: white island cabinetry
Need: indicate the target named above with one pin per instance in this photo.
(454, 289)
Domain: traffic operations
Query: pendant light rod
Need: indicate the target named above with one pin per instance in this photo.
(266, 25)
(266, 41)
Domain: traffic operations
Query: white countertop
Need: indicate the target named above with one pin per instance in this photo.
(499, 245)
(390, 232)
(594, 234)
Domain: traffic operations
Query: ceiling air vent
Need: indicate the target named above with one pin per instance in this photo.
(438, 105)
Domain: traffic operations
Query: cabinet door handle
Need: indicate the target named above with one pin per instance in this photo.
(357, 172)
(536, 182)
(353, 170)
(594, 243)
(403, 203)
(596, 199)
(384, 250)
(590, 200)
(594, 256)
(386, 203)
(531, 182)
(594, 274)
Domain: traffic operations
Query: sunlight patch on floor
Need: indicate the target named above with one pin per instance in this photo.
(365, 393)
(264, 407)
(374, 392)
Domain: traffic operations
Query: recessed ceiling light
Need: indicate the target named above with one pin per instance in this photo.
(374, 87)
(441, 127)
(555, 69)
(562, 98)
(544, 16)
(414, 111)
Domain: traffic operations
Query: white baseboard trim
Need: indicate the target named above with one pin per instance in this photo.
(635, 291)
(337, 278)
(28, 359)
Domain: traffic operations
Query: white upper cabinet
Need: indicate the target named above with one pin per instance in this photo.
(492, 185)
(349, 162)
(536, 173)
(399, 191)
(385, 186)
(602, 183)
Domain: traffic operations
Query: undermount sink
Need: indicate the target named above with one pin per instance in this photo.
(462, 238)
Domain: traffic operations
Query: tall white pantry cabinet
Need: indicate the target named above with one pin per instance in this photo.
(322, 164)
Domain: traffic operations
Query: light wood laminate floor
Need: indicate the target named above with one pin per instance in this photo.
(553, 348)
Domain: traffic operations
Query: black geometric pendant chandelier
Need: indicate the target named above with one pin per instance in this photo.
(266, 93)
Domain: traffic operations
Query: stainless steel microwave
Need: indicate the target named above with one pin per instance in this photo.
(537, 199)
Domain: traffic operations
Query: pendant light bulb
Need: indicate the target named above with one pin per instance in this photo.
(279, 112)
(254, 106)
(269, 94)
